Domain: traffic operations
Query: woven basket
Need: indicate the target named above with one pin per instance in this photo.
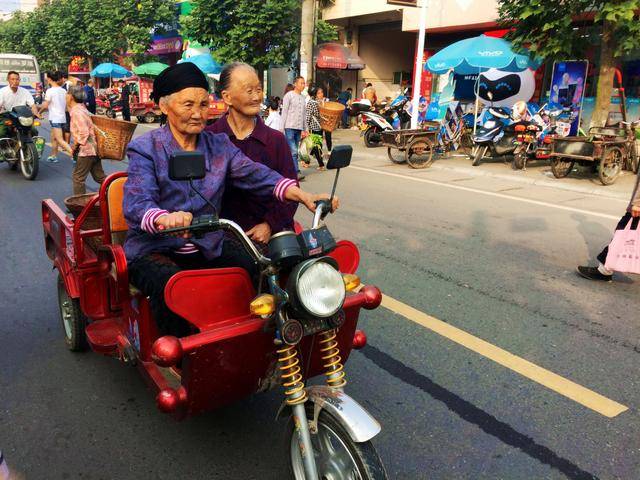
(112, 136)
(76, 204)
(330, 115)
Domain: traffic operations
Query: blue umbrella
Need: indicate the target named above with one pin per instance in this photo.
(110, 70)
(478, 54)
(204, 62)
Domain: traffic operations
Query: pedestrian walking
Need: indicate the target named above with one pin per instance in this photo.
(66, 83)
(125, 92)
(84, 138)
(600, 272)
(90, 96)
(313, 122)
(274, 119)
(293, 119)
(320, 98)
(55, 100)
(344, 98)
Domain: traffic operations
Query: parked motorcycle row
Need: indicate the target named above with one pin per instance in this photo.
(519, 135)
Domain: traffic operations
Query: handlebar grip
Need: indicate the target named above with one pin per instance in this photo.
(325, 207)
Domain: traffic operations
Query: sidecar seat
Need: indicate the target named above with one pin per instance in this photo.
(117, 224)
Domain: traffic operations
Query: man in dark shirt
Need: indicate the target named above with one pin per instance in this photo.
(124, 96)
(242, 92)
(90, 96)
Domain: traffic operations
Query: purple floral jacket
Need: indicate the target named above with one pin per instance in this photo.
(149, 193)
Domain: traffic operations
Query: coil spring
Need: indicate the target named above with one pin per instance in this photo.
(291, 376)
(332, 362)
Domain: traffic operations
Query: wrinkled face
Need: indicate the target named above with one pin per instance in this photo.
(299, 85)
(14, 81)
(244, 94)
(187, 110)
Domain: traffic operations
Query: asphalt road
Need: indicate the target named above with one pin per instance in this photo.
(491, 257)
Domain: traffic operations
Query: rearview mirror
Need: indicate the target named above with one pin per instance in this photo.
(187, 166)
(340, 157)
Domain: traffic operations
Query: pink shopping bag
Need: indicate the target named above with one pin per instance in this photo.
(624, 250)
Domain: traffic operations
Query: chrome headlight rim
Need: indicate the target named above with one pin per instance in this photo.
(302, 304)
(25, 121)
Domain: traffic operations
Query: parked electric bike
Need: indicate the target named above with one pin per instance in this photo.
(22, 147)
(392, 117)
(495, 137)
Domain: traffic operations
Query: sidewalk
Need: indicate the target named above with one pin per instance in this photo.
(538, 173)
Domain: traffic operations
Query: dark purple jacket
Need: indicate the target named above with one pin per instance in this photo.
(149, 191)
(269, 147)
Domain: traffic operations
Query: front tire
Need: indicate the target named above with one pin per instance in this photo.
(371, 137)
(337, 456)
(479, 155)
(519, 159)
(561, 167)
(73, 320)
(150, 117)
(111, 113)
(29, 161)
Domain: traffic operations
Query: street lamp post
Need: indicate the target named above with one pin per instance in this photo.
(417, 78)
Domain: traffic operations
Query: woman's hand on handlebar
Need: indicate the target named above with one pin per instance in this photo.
(175, 220)
(296, 194)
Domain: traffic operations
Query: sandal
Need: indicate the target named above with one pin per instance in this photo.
(322, 169)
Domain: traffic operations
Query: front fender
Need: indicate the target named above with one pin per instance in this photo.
(358, 423)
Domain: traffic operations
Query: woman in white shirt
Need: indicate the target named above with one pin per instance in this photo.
(274, 120)
(55, 100)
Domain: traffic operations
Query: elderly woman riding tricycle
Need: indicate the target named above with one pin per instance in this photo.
(208, 320)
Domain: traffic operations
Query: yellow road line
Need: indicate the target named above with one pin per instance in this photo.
(546, 378)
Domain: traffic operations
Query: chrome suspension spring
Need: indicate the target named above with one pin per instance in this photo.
(331, 359)
(289, 365)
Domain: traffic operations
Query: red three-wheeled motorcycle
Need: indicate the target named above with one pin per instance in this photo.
(304, 325)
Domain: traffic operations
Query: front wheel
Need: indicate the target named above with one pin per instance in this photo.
(479, 154)
(29, 161)
(150, 117)
(610, 165)
(111, 113)
(371, 137)
(520, 159)
(561, 167)
(337, 456)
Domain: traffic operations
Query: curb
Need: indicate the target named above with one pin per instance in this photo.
(540, 182)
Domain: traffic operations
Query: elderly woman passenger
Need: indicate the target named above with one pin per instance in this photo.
(242, 92)
(153, 202)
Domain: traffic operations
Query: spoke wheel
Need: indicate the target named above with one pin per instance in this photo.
(561, 167)
(337, 456)
(610, 165)
(519, 159)
(395, 155)
(419, 153)
(29, 161)
(73, 320)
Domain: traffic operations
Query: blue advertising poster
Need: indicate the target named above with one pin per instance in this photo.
(567, 90)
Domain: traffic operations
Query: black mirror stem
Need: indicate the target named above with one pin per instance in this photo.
(335, 184)
(215, 210)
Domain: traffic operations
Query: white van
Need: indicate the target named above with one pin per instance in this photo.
(25, 65)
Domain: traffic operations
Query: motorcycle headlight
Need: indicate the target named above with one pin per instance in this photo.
(25, 121)
(319, 288)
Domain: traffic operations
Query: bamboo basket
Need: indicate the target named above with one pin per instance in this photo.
(112, 136)
(330, 115)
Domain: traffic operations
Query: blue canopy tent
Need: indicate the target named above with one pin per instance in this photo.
(476, 55)
(110, 70)
(204, 62)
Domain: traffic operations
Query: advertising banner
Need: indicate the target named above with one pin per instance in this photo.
(567, 90)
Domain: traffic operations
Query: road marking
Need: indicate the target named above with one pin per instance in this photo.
(588, 398)
(485, 192)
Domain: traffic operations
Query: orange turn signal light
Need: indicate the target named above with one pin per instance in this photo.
(351, 282)
(8, 123)
(262, 305)
(36, 123)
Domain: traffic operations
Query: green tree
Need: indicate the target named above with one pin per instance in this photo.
(557, 29)
(325, 32)
(261, 33)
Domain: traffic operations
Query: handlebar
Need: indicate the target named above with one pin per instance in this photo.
(210, 223)
(323, 208)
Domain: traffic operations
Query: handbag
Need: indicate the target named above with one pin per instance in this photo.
(624, 249)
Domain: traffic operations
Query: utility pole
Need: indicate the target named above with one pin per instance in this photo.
(307, 28)
(417, 79)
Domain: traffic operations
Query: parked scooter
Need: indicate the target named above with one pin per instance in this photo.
(22, 147)
(114, 105)
(392, 117)
(496, 136)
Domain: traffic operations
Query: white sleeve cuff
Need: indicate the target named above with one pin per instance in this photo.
(148, 223)
(282, 186)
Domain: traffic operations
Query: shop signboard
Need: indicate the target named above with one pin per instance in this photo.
(162, 46)
(567, 90)
(79, 65)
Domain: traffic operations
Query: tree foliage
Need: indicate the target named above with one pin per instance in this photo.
(261, 33)
(565, 29)
(326, 32)
(98, 29)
